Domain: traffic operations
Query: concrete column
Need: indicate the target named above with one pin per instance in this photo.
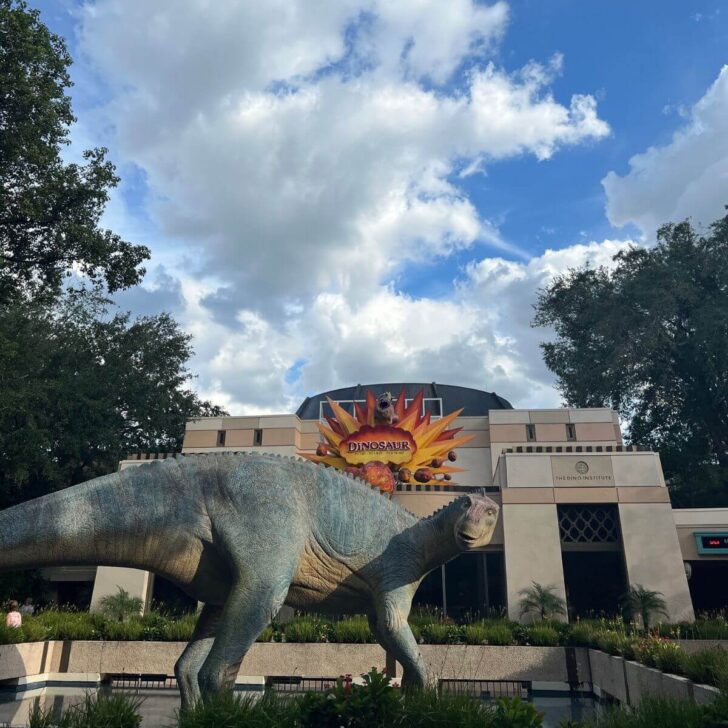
(653, 557)
(110, 578)
(532, 551)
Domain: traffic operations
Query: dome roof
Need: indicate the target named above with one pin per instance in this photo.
(474, 402)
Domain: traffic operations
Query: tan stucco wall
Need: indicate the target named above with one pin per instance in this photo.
(277, 436)
(615, 470)
(689, 520)
(533, 551)
(653, 557)
(238, 438)
(200, 438)
(637, 469)
(476, 461)
(110, 578)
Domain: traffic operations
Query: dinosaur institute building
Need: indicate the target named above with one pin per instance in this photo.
(580, 511)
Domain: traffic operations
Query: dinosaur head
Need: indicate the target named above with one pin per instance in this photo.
(475, 519)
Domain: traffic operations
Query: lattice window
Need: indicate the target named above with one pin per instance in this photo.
(589, 524)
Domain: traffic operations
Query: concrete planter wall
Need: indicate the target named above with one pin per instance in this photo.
(608, 675)
(465, 662)
(629, 682)
(547, 667)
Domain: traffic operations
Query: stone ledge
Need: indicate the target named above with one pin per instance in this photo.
(270, 659)
(627, 681)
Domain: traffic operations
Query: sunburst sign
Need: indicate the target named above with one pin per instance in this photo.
(386, 442)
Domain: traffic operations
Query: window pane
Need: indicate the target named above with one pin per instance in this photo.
(433, 406)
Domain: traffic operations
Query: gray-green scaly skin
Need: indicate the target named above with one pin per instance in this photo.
(245, 534)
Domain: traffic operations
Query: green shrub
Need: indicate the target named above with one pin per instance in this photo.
(123, 631)
(107, 711)
(614, 643)
(33, 630)
(307, 628)
(672, 659)
(241, 711)
(515, 713)
(121, 606)
(427, 615)
(476, 634)
(69, 625)
(180, 629)
(426, 708)
(661, 653)
(486, 633)
(354, 629)
(266, 635)
(441, 634)
(543, 636)
(581, 635)
(10, 635)
(416, 632)
(660, 713)
(715, 628)
(543, 602)
(709, 667)
(153, 624)
(373, 704)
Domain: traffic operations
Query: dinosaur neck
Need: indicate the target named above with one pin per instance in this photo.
(436, 541)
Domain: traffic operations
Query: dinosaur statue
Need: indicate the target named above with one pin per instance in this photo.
(245, 534)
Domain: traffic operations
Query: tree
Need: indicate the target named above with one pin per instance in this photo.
(541, 600)
(82, 387)
(649, 338)
(121, 606)
(49, 209)
(643, 602)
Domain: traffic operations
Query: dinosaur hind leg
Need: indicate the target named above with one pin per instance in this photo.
(191, 660)
(393, 632)
(250, 606)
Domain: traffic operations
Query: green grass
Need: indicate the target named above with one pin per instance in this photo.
(543, 635)
(353, 630)
(709, 667)
(654, 713)
(441, 634)
(227, 710)
(112, 711)
(369, 706)
(307, 628)
(488, 633)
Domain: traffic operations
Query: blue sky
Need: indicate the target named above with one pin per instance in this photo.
(352, 190)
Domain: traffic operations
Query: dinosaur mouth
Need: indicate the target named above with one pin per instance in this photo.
(467, 538)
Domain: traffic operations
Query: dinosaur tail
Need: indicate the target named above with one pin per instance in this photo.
(108, 520)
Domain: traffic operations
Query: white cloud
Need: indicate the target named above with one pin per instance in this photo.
(290, 146)
(303, 153)
(686, 178)
(481, 337)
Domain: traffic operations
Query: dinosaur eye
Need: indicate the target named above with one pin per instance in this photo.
(490, 512)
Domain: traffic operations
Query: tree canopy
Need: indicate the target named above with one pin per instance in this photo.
(649, 337)
(82, 387)
(49, 208)
(82, 383)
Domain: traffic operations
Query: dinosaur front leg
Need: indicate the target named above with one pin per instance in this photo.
(191, 660)
(394, 634)
(251, 605)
